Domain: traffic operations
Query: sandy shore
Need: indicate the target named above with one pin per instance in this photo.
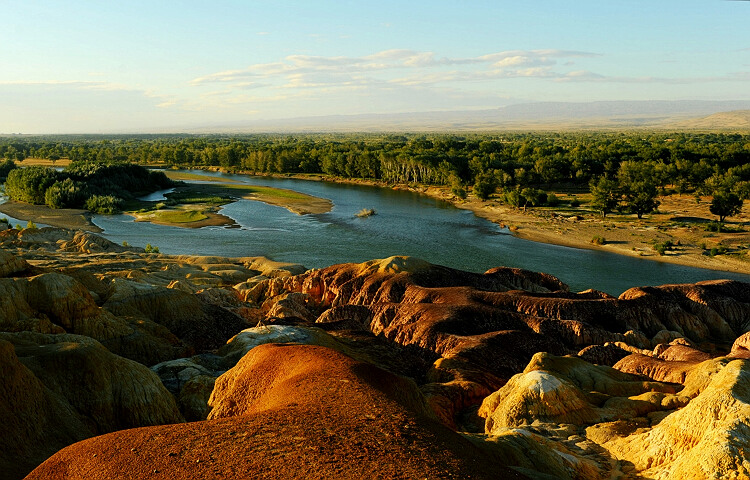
(623, 235)
(76, 219)
(71, 218)
(212, 220)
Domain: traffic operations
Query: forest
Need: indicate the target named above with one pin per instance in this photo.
(624, 171)
(100, 187)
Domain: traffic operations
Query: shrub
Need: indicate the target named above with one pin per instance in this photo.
(103, 204)
(5, 169)
(662, 248)
(31, 225)
(597, 240)
(484, 186)
(552, 199)
(151, 249)
(513, 198)
(459, 191)
(575, 203)
(29, 184)
(66, 194)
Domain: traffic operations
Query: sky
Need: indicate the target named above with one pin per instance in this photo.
(162, 65)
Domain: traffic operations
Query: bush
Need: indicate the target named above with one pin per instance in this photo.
(31, 225)
(5, 169)
(484, 186)
(103, 204)
(597, 240)
(513, 198)
(664, 247)
(533, 197)
(66, 194)
(29, 184)
(459, 191)
(151, 249)
(552, 199)
(575, 203)
(722, 228)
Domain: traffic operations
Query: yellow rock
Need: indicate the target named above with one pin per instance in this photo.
(709, 438)
(568, 390)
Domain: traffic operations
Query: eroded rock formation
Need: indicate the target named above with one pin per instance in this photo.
(325, 373)
(290, 411)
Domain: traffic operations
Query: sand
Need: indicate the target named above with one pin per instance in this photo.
(74, 219)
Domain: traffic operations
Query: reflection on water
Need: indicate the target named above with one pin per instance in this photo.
(156, 196)
(406, 224)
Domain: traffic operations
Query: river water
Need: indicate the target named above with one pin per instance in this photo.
(406, 224)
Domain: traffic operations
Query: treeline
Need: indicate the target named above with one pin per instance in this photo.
(98, 187)
(625, 171)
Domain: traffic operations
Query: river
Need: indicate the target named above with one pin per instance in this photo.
(406, 224)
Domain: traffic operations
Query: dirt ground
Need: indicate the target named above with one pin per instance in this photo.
(680, 219)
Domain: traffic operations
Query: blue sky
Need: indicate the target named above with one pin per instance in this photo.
(94, 66)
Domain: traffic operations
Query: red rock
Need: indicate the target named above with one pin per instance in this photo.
(289, 412)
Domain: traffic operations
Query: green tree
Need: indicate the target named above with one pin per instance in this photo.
(725, 204)
(5, 169)
(639, 186)
(29, 184)
(484, 186)
(457, 187)
(66, 194)
(605, 195)
(103, 204)
(533, 197)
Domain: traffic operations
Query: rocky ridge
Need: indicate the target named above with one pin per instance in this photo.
(445, 373)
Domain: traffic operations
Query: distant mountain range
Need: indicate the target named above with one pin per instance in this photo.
(698, 115)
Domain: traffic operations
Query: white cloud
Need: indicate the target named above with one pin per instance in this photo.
(504, 64)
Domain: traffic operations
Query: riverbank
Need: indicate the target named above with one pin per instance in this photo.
(624, 235)
(71, 218)
(193, 205)
(681, 221)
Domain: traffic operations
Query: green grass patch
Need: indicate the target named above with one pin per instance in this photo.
(179, 216)
(269, 192)
(192, 196)
(197, 177)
